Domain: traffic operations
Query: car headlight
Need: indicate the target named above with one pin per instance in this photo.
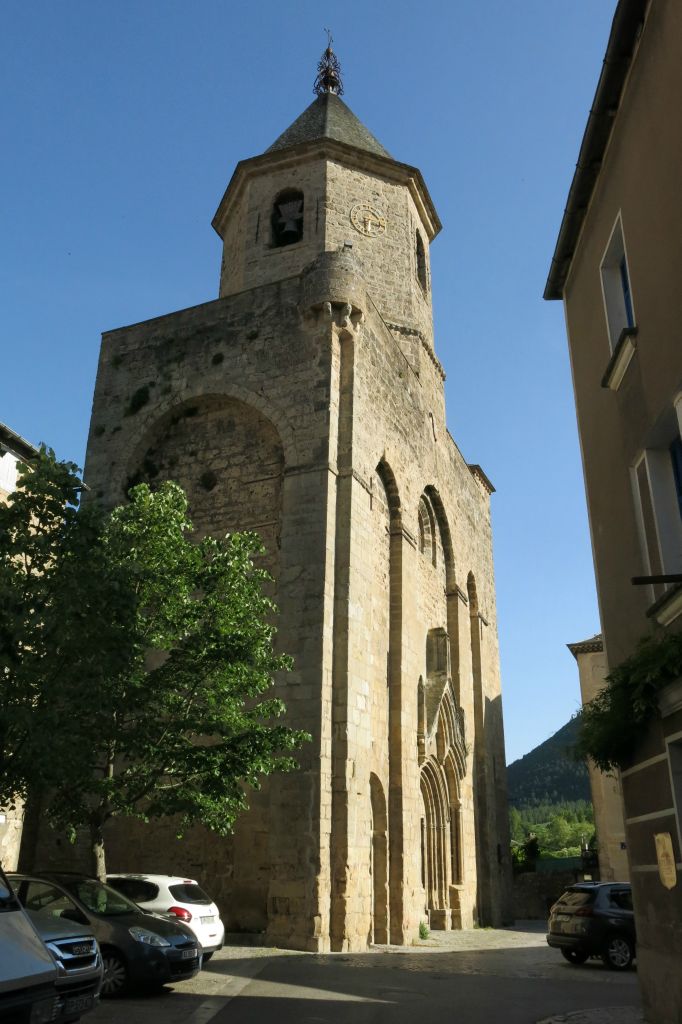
(149, 938)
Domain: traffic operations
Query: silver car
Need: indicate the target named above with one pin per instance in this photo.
(79, 963)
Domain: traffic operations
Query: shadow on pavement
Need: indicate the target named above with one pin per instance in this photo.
(514, 979)
(422, 988)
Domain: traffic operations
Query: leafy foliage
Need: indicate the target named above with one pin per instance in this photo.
(137, 665)
(610, 725)
(550, 801)
(558, 830)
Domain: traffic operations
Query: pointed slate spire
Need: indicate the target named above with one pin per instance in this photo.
(328, 117)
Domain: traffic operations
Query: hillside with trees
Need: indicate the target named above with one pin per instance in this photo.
(549, 774)
(550, 803)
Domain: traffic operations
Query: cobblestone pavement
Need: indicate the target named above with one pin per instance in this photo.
(482, 975)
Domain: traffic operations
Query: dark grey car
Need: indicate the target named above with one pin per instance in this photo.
(137, 948)
(594, 919)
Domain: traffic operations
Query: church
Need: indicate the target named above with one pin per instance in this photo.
(307, 403)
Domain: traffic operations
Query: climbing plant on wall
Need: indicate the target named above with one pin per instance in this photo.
(611, 724)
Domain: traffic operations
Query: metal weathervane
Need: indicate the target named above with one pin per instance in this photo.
(328, 71)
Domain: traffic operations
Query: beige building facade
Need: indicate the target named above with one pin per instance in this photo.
(606, 788)
(306, 403)
(618, 268)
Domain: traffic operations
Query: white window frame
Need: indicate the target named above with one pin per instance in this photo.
(612, 286)
(666, 515)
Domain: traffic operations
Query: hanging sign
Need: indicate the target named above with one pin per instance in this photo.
(666, 859)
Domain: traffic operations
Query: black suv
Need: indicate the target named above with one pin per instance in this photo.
(594, 919)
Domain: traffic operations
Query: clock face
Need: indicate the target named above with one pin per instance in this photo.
(367, 219)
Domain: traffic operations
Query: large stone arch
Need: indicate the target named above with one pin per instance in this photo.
(433, 502)
(227, 456)
(143, 422)
(444, 529)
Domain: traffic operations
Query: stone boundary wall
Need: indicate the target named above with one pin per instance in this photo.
(534, 892)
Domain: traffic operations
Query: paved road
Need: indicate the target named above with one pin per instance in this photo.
(475, 977)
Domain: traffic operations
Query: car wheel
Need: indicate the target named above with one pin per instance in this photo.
(207, 956)
(574, 956)
(618, 953)
(115, 981)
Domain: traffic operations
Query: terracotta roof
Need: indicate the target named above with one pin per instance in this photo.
(591, 646)
(328, 117)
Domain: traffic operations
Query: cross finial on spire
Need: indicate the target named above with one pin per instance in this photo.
(328, 71)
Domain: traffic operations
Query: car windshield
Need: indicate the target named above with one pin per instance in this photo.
(100, 898)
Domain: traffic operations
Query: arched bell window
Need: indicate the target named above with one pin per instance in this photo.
(287, 218)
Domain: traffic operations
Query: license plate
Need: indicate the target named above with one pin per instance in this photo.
(78, 1004)
(189, 954)
(207, 920)
(563, 917)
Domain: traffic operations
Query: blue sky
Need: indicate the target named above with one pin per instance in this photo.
(121, 124)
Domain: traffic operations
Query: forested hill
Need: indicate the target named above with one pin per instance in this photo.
(549, 774)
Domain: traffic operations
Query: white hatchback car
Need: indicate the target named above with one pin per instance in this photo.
(174, 896)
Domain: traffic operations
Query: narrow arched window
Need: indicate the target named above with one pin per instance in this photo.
(423, 526)
(421, 261)
(287, 218)
(426, 523)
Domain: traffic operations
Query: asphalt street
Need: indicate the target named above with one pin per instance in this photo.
(475, 977)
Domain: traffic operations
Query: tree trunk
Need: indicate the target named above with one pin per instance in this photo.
(99, 867)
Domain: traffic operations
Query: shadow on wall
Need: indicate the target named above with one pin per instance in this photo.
(490, 790)
(534, 892)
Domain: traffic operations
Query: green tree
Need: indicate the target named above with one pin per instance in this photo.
(558, 833)
(516, 829)
(137, 665)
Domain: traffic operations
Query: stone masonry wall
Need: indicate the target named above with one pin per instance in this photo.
(388, 258)
(249, 257)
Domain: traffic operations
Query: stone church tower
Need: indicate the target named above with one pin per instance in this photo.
(306, 403)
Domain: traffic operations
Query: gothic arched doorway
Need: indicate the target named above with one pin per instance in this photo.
(442, 766)
(434, 841)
